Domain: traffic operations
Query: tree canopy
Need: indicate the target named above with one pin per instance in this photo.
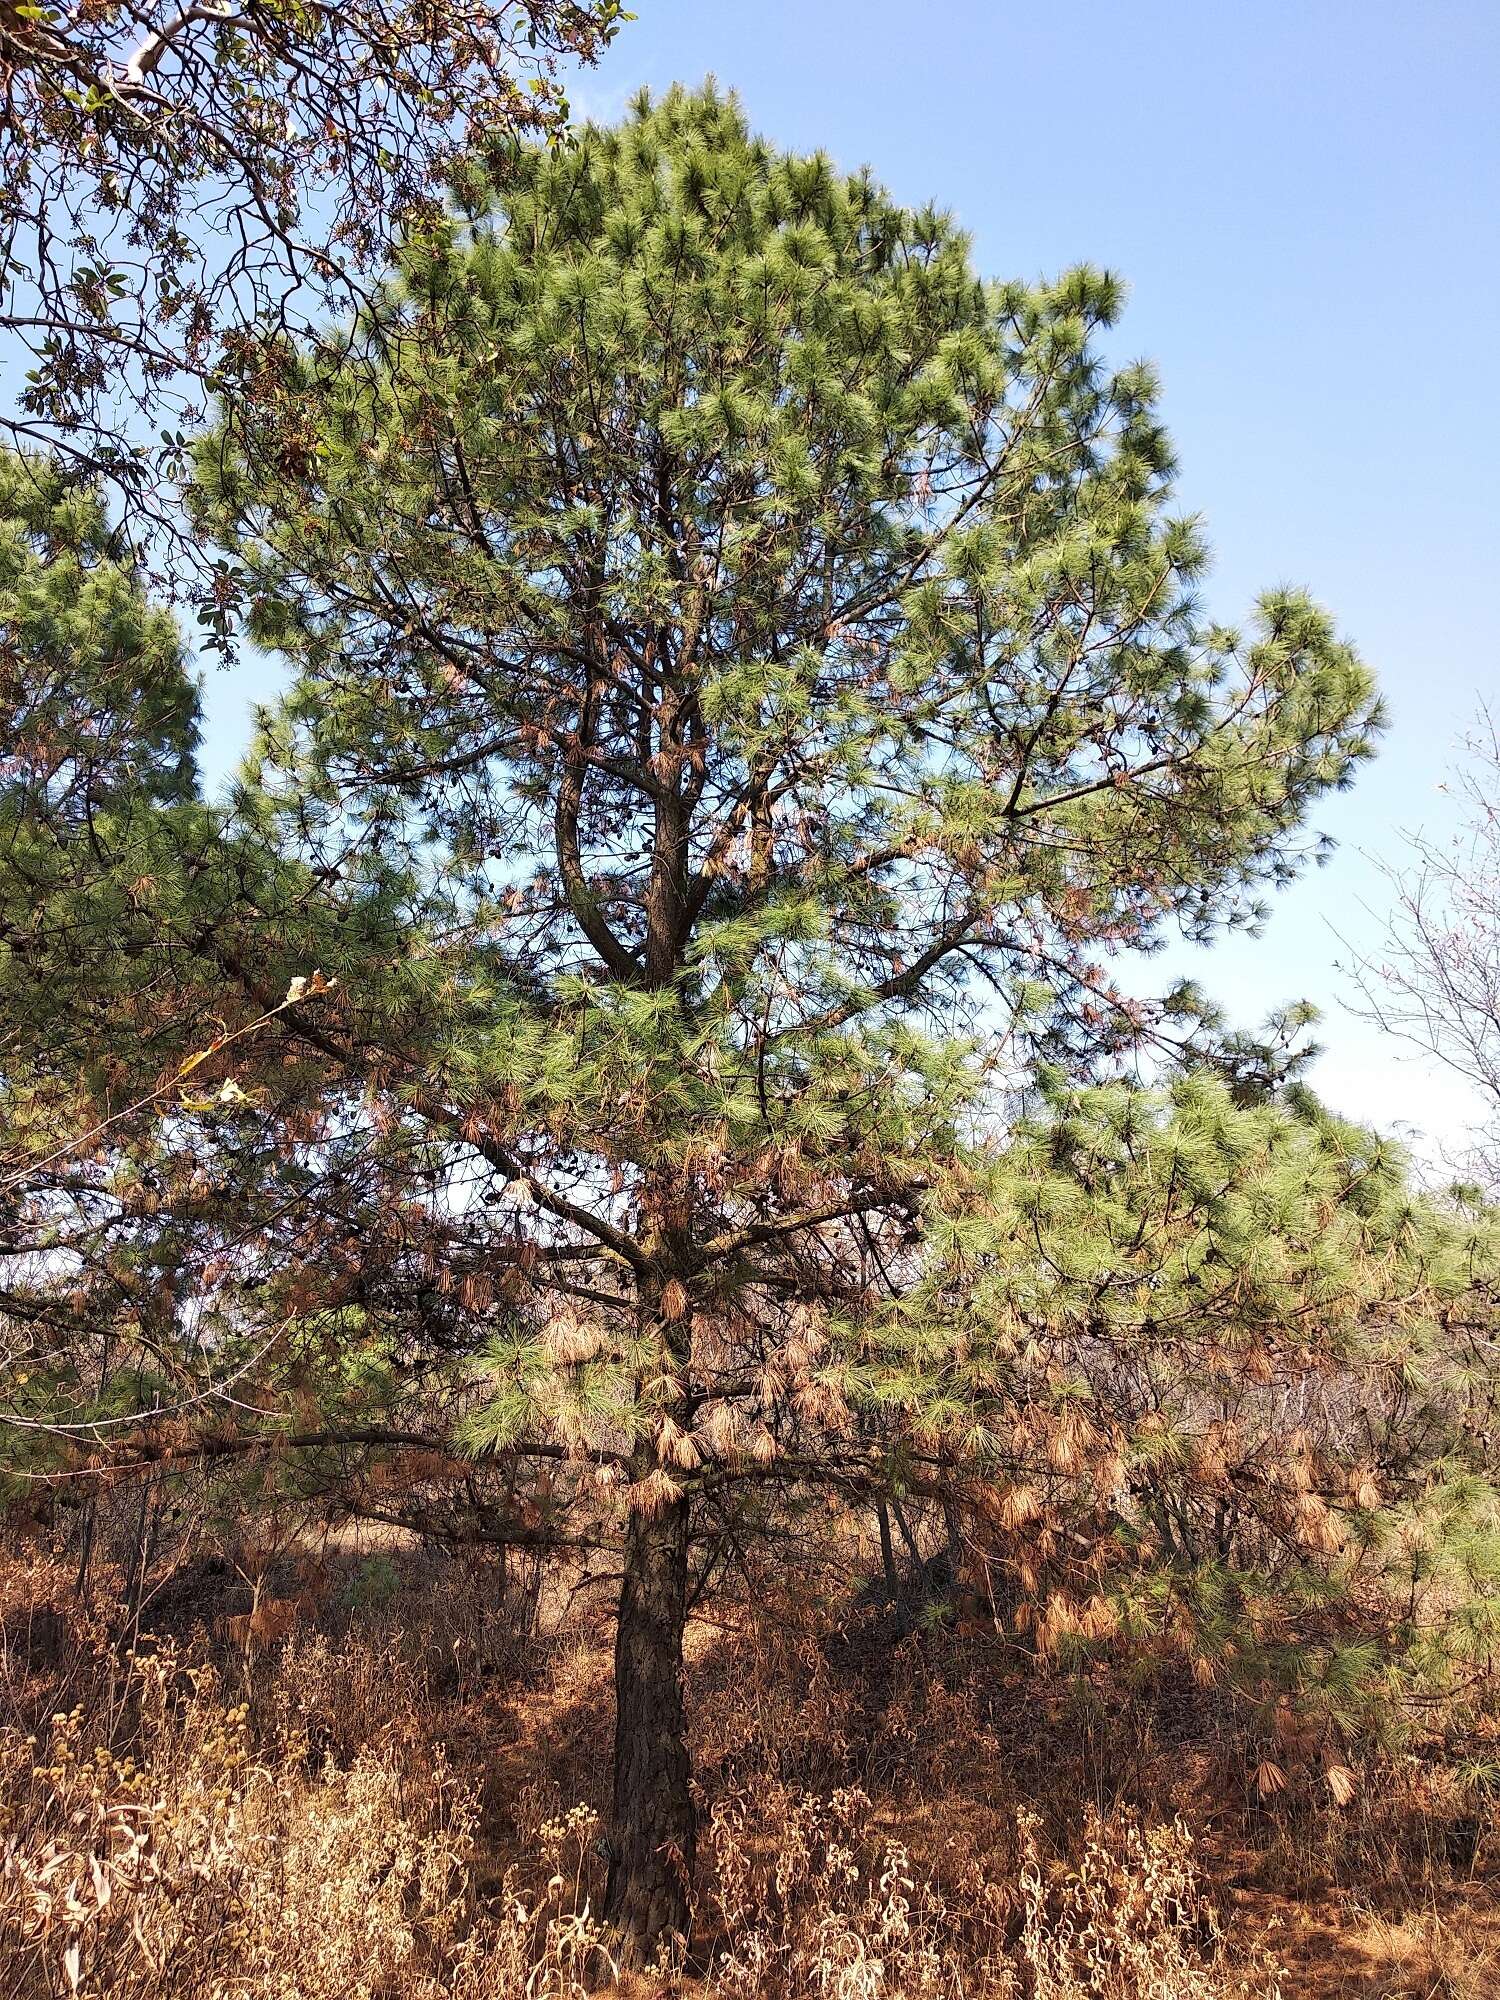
(174, 179)
(747, 682)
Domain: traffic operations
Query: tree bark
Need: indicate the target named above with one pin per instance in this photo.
(653, 1835)
(887, 1553)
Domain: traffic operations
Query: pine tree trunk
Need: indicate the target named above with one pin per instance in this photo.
(887, 1553)
(653, 1836)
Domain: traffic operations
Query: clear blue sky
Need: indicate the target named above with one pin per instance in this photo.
(1305, 198)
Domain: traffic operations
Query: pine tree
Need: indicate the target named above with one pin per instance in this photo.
(1220, 1383)
(99, 721)
(101, 831)
(747, 680)
(732, 642)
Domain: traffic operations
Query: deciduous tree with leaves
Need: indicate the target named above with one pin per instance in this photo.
(174, 178)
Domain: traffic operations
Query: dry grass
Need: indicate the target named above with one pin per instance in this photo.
(405, 1806)
(225, 1860)
(1421, 1956)
(810, 1898)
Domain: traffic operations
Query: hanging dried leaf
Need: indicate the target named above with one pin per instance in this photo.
(1269, 1778)
(1341, 1782)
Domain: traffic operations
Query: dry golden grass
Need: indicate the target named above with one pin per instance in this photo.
(407, 1806)
(224, 1858)
(1421, 1956)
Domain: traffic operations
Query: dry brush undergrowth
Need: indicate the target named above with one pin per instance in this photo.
(389, 1812)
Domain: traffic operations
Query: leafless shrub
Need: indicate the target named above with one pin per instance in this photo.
(1435, 982)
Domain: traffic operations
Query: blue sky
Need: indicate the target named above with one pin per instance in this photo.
(1303, 196)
